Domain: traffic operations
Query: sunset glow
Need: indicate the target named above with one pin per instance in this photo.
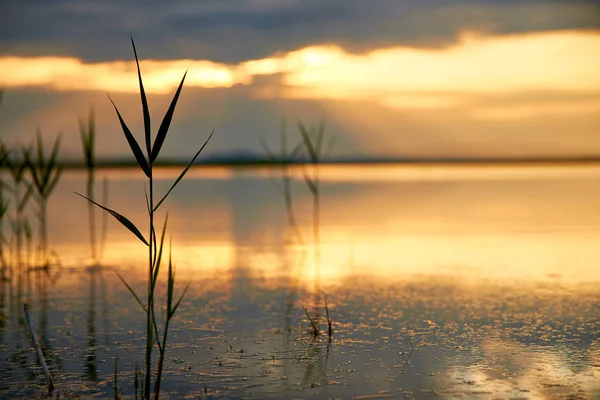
(398, 77)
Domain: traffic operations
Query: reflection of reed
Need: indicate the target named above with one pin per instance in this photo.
(88, 139)
(313, 143)
(284, 188)
(91, 369)
(52, 357)
(17, 168)
(22, 358)
(316, 365)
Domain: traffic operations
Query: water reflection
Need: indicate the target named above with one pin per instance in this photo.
(456, 288)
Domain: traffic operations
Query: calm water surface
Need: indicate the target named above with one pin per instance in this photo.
(445, 282)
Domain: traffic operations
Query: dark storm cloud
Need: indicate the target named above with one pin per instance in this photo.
(235, 30)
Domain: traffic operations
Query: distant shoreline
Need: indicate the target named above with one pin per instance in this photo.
(261, 163)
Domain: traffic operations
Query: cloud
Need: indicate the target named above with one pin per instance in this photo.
(236, 30)
(520, 95)
(399, 77)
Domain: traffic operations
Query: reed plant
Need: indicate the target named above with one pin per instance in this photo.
(313, 138)
(313, 142)
(21, 193)
(45, 174)
(146, 163)
(285, 186)
(314, 321)
(3, 212)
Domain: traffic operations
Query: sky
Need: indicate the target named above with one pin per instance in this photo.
(388, 78)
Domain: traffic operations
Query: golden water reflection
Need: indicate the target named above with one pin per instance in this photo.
(490, 222)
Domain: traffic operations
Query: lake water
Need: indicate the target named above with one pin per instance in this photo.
(441, 281)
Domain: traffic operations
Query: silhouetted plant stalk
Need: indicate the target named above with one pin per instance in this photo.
(284, 188)
(45, 174)
(146, 162)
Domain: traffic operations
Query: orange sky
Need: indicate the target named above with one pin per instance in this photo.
(493, 80)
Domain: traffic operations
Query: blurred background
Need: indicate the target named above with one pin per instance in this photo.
(427, 79)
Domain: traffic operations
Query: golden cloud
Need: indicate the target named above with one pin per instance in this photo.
(398, 77)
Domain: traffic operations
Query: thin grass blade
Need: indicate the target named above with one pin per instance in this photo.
(160, 250)
(147, 199)
(295, 151)
(319, 140)
(40, 148)
(124, 221)
(312, 322)
(170, 280)
(184, 172)
(130, 290)
(176, 306)
(84, 141)
(145, 110)
(166, 122)
(307, 141)
(267, 150)
(25, 199)
(309, 181)
(50, 187)
(133, 144)
(55, 148)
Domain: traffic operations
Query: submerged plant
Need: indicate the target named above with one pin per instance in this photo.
(146, 163)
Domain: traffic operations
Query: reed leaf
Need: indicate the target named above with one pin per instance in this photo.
(319, 140)
(312, 322)
(144, 102)
(124, 221)
(309, 181)
(54, 154)
(40, 146)
(267, 149)
(179, 301)
(133, 144)
(130, 289)
(162, 241)
(25, 199)
(166, 122)
(50, 187)
(295, 151)
(184, 172)
(170, 281)
(88, 138)
(307, 141)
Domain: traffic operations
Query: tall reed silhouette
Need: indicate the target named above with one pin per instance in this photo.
(155, 248)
